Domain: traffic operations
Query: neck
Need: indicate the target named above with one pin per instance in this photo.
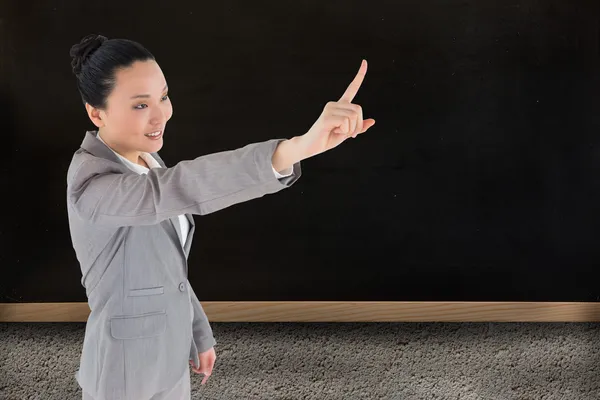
(132, 155)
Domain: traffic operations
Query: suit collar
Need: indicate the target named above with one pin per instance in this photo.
(160, 160)
(94, 146)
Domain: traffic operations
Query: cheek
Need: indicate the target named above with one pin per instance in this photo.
(135, 118)
(123, 117)
(131, 123)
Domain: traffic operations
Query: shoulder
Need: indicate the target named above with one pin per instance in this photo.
(85, 165)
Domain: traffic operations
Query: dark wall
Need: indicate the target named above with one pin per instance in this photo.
(480, 181)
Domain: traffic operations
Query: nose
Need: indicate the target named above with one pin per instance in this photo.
(158, 118)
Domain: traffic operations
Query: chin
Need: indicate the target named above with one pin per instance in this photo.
(153, 147)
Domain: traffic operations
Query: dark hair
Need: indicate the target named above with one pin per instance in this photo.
(96, 59)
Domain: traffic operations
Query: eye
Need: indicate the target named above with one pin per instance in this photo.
(140, 107)
(165, 97)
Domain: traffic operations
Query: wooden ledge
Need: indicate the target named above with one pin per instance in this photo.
(339, 311)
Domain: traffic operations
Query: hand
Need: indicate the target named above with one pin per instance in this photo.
(339, 121)
(207, 362)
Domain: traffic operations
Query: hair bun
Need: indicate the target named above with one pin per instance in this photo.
(84, 49)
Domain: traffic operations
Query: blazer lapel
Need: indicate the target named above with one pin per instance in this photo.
(188, 240)
(175, 220)
(177, 226)
(173, 231)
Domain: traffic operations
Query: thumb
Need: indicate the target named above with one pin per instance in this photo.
(206, 373)
(204, 368)
(367, 123)
(201, 370)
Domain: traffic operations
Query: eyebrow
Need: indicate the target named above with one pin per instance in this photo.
(146, 96)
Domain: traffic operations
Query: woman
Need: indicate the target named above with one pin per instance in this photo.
(131, 224)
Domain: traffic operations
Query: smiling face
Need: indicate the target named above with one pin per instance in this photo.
(137, 108)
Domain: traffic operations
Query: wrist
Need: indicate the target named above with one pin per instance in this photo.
(288, 153)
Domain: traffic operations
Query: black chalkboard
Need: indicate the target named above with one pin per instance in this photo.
(480, 181)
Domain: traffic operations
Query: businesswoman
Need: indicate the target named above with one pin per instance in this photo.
(131, 224)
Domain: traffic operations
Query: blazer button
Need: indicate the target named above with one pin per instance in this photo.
(182, 287)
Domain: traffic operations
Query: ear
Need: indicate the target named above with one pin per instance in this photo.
(95, 115)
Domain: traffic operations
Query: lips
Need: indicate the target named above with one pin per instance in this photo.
(154, 135)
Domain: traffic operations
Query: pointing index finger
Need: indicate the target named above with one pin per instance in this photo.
(352, 90)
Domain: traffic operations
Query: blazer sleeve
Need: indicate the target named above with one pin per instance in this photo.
(202, 332)
(101, 193)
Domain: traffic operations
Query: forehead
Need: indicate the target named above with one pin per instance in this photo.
(142, 77)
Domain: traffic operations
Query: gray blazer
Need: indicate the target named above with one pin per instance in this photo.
(124, 228)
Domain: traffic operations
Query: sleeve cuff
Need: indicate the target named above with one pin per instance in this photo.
(284, 174)
(205, 343)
